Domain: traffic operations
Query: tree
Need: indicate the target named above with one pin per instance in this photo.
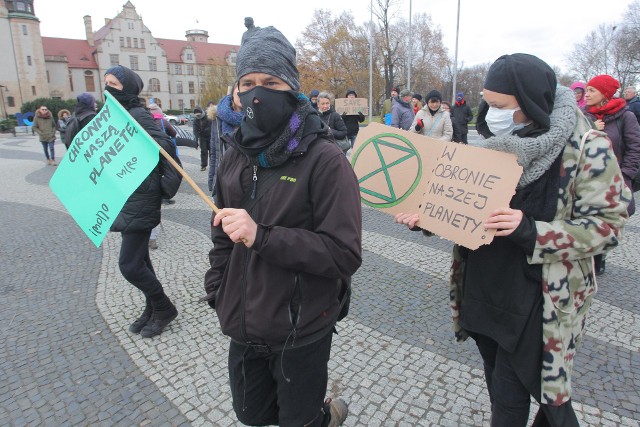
(219, 79)
(333, 56)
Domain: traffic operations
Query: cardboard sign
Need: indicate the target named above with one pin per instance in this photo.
(352, 106)
(107, 160)
(453, 187)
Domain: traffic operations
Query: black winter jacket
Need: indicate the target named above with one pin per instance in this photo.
(334, 120)
(286, 287)
(352, 122)
(460, 117)
(142, 210)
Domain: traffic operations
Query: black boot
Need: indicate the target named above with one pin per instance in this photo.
(164, 312)
(137, 326)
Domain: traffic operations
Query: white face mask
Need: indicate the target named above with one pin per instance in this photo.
(500, 121)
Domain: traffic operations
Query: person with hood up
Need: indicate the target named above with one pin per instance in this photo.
(285, 243)
(525, 296)
(461, 115)
(402, 111)
(83, 113)
(45, 127)
(332, 119)
(202, 132)
(313, 97)
(141, 212)
(579, 91)
(610, 115)
(432, 120)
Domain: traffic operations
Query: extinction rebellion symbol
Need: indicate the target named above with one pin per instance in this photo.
(390, 169)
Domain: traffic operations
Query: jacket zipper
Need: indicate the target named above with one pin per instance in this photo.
(255, 182)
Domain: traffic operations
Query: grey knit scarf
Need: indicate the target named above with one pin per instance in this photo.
(537, 154)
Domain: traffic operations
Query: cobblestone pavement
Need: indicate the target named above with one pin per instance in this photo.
(67, 358)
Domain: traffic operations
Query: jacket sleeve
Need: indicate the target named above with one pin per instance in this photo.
(412, 128)
(196, 130)
(598, 210)
(469, 114)
(447, 129)
(395, 117)
(214, 147)
(333, 248)
(169, 129)
(339, 129)
(631, 137)
(218, 255)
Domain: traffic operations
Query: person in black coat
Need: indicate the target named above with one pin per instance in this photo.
(352, 122)
(331, 118)
(202, 132)
(461, 115)
(141, 212)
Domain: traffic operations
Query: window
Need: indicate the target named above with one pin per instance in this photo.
(130, 25)
(114, 59)
(11, 101)
(121, 41)
(181, 104)
(141, 43)
(133, 60)
(192, 87)
(153, 66)
(24, 30)
(201, 70)
(29, 60)
(20, 6)
(48, 77)
(189, 56)
(193, 103)
(70, 81)
(154, 85)
(190, 69)
(202, 87)
(128, 41)
(179, 87)
(89, 81)
(135, 42)
(33, 90)
(178, 68)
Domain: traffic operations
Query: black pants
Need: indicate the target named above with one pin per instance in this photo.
(510, 399)
(204, 152)
(280, 388)
(135, 263)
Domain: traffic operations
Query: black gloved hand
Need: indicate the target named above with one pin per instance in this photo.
(419, 125)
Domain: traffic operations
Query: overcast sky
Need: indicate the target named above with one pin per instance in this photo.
(488, 28)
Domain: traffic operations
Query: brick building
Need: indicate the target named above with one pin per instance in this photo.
(175, 72)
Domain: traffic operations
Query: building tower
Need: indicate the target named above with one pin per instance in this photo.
(25, 77)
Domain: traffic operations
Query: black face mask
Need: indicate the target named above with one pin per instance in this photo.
(264, 120)
(125, 99)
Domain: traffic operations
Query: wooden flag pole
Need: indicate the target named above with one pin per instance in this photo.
(188, 179)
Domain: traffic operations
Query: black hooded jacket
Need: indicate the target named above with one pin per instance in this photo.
(287, 285)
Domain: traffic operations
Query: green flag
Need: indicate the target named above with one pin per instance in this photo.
(107, 160)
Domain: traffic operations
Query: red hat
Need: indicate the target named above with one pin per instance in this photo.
(605, 84)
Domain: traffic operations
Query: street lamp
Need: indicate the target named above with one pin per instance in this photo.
(409, 55)
(606, 47)
(371, 64)
(4, 109)
(455, 63)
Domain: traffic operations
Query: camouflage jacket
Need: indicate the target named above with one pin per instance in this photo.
(591, 212)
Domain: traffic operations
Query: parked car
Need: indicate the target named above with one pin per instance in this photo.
(175, 120)
(187, 118)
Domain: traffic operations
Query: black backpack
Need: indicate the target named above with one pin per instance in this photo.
(72, 126)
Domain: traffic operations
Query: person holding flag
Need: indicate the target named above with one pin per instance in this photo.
(141, 212)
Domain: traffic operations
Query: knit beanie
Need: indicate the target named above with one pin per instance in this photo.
(314, 93)
(131, 82)
(417, 96)
(86, 99)
(460, 95)
(434, 94)
(405, 92)
(605, 84)
(351, 91)
(268, 51)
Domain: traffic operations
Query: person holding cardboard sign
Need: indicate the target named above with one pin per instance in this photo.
(524, 297)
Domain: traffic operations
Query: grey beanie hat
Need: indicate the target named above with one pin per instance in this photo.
(268, 51)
